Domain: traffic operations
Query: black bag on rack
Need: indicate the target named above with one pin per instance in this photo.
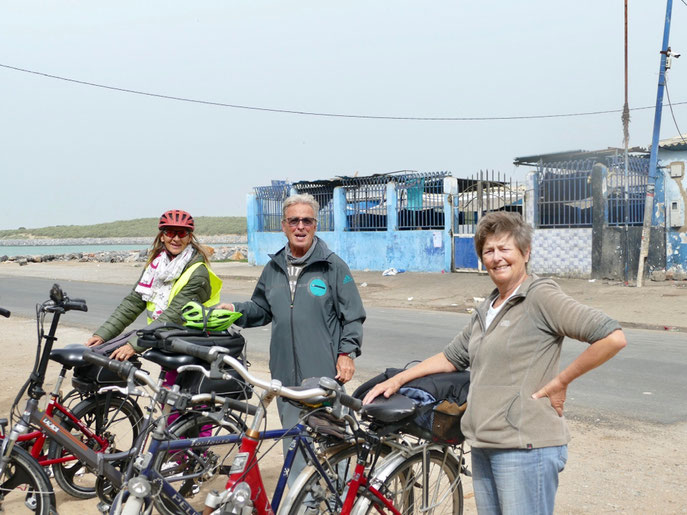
(442, 399)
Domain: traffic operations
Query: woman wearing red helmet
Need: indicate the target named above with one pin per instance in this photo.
(177, 271)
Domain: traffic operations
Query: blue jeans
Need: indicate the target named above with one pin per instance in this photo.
(517, 481)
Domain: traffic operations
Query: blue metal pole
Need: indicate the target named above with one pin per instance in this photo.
(653, 158)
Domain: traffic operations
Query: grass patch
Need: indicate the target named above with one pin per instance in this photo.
(205, 226)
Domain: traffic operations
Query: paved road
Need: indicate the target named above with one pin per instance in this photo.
(646, 381)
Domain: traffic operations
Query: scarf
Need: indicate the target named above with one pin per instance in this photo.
(159, 276)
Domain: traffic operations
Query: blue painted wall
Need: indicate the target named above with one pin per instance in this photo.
(675, 191)
(416, 251)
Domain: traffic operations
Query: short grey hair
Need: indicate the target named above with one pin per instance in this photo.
(503, 222)
(301, 198)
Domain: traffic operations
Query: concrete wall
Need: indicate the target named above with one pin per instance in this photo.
(675, 205)
(416, 251)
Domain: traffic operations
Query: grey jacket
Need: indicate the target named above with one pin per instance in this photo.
(517, 355)
(326, 318)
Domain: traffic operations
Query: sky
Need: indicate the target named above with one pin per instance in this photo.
(74, 154)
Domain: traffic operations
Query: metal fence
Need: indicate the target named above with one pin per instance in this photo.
(269, 205)
(323, 191)
(484, 192)
(420, 200)
(626, 191)
(365, 202)
(564, 196)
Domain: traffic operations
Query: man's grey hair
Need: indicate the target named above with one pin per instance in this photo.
(301, 198)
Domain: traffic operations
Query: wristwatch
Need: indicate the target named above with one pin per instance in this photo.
(352, 354)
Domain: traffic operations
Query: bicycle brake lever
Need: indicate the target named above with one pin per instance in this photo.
(123, 391)
(197, 368)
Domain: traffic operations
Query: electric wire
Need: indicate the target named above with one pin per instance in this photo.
(325, 114)
(673, 114)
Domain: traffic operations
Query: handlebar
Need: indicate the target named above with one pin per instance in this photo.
(4, 312)
(59, 301)
(197, 351)
(121, 368)
(213, 353)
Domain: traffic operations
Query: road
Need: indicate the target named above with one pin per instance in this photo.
(646, 381)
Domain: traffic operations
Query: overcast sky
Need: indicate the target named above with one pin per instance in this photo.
(78, 154)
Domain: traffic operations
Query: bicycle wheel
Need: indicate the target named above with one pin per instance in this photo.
(25, 487)
(196, 471)
(437, 490)
(118, 420)
(315, 496)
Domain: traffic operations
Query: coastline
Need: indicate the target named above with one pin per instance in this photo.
(223, 247)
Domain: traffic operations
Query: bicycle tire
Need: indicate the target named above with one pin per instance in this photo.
(25, 487)
(187, 462)
(404, 487)
(315, 496)
(121, 427)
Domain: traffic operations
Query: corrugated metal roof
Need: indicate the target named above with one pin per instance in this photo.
(572, 155)
(676, 143)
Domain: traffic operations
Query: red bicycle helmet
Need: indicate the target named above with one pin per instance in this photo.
(176, 218)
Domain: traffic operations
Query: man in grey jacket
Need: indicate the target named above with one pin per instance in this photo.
(309, 295)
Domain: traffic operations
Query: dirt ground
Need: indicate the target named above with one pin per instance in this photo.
(615, 465)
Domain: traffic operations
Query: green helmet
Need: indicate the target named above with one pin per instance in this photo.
(199, 317)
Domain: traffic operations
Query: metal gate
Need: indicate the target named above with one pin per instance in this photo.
(470, 200)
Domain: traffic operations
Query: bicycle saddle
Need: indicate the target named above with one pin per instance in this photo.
(171, 361)
(71, 356)
(395, 408)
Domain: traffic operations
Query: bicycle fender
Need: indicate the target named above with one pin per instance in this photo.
(382, 473)
(298, 484)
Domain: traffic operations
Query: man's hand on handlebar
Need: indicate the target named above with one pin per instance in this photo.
(123, 353)
(94, 340)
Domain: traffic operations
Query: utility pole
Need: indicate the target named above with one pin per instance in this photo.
(653, 159)
(626, 141)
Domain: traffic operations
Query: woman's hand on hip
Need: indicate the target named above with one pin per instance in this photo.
(94, 340)
(556, 391)
(123, 353)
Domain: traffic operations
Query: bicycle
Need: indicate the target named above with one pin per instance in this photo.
(245, 491)
(104, 422)
(24, 485)
(70, 438)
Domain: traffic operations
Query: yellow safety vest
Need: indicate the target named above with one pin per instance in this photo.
(215, 288)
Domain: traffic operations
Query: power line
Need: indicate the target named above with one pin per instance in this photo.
(673, 114)
(324, 114)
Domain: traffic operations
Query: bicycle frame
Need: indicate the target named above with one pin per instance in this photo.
(245, 468)
(39, 438)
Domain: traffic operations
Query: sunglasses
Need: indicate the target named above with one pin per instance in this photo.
(171, 233)
(294, 221)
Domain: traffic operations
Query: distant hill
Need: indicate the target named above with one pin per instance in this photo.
(205, 226)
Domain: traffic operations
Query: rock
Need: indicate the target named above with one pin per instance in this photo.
(658, 275)
(237, 256)
(22, 262)
(3, 259)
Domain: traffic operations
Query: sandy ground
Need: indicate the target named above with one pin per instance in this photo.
(615, 465)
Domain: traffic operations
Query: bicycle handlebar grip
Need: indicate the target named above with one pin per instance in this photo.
(4, 312)
(121, 368)
(75, 304)
(197, 351)
(351, 402)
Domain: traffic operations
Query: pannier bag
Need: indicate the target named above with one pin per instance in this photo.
(195, 382)
(442, 399)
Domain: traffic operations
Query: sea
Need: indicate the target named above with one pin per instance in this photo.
(43, 250)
